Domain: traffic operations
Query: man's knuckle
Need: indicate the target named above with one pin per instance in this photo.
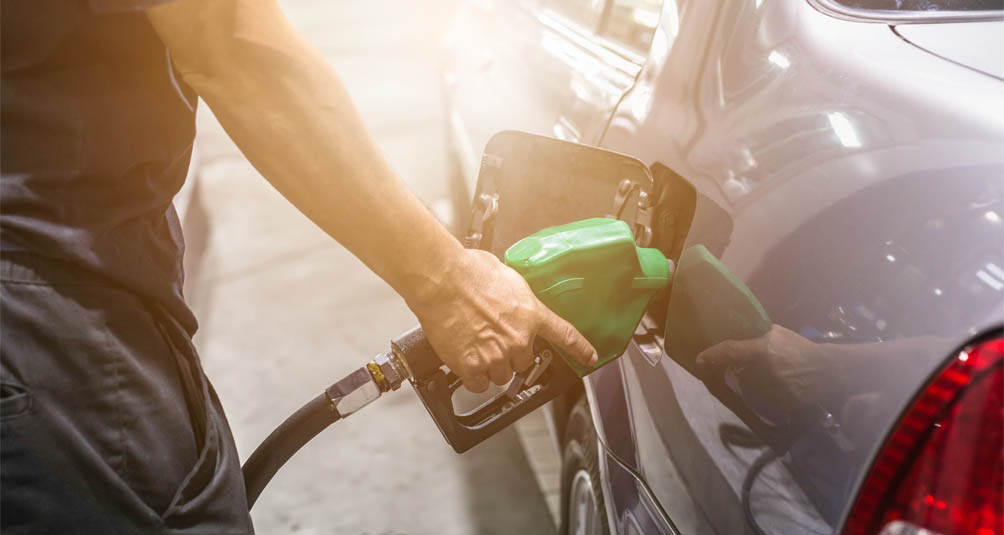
(522, 343)
(477, 377)
(471, 362)
(568, 335)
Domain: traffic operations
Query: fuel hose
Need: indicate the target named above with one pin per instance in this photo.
(337, 402)
(285, 441)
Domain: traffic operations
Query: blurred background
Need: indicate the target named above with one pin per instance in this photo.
(284, 310)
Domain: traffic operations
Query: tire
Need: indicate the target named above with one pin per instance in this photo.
(582, 506)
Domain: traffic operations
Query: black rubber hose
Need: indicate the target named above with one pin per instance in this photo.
(284, 442)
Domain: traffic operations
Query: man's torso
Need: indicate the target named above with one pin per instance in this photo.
(97, 136)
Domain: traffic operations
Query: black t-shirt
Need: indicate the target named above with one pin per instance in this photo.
(97, 132)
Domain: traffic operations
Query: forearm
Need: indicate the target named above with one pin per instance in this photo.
(868, 366)
(287, 111)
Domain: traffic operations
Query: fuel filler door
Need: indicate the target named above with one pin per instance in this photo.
(528, 182)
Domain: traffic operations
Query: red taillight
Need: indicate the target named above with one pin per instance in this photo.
(942, 469)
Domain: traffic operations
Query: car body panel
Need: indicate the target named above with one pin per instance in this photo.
(630, 503)
(820, 148)
(853, 182)
(976, 45)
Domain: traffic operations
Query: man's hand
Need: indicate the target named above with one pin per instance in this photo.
(483, 320)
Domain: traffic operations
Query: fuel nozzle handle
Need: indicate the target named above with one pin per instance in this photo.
(435, 386)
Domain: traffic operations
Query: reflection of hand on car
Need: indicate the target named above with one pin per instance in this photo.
(790, 372)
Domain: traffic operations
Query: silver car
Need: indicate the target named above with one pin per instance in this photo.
(841, 163)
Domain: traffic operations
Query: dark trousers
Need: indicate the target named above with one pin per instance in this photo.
(107, 422)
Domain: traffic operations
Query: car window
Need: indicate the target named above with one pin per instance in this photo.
(925, 5)
(585, 13)
(632, 23)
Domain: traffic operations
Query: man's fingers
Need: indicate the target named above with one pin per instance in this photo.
(500, 372)
(476, 384)
(564, 335)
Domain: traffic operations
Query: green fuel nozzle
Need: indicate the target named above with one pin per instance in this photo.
(591, 273)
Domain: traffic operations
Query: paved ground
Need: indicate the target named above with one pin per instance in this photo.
(284, 310)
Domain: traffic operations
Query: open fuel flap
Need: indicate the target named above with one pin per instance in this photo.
(528, 182)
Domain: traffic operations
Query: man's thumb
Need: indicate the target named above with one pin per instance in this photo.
(566, 337)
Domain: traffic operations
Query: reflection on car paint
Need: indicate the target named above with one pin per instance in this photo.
(850, 180)
(799, 192)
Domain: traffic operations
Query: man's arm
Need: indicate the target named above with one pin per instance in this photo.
(284, 106)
